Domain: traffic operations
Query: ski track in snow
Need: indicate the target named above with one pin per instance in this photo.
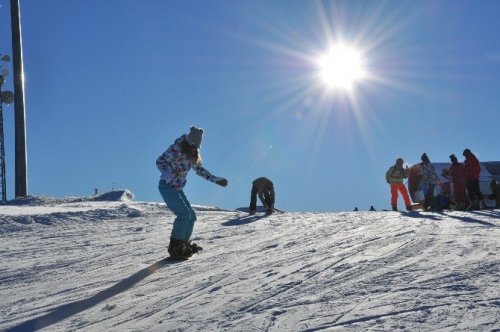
(99, 266)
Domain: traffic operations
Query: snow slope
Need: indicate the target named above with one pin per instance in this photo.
(82, 264)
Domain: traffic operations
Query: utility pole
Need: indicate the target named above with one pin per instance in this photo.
(21, 185)
(6, 97)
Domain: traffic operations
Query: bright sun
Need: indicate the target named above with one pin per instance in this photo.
(341, 67)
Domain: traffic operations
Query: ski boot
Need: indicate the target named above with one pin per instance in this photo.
(179, 249)
(194, 247)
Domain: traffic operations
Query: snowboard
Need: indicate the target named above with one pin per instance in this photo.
(266, 213)
(260, 211)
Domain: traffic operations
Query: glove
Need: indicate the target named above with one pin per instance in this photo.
(221, 182)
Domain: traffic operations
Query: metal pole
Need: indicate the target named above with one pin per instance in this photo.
(3, 196)
(21, 184)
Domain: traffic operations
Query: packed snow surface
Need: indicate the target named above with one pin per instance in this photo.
(98, 265)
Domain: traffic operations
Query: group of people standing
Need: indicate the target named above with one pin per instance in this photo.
(465, 179)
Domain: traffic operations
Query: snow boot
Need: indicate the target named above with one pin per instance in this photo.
(394, 208)
(194, 247)
(269, 211)
(179, 249)
(409, 208)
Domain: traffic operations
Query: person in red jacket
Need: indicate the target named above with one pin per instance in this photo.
(457, 174)
(472, 170)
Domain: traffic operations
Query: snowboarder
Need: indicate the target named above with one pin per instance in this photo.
(472, 171)
(174, 165)
(457, 174)
(394, 177)
(429, 180)
(264, 188)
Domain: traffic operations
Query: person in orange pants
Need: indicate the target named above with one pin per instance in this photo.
(394, 177)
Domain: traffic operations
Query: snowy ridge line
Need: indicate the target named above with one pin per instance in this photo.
(123, 195)
(208, 208)
(26, 221)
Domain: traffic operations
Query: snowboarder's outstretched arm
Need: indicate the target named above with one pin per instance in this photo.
(204, 173)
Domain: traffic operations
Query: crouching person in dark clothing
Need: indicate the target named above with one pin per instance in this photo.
(264, 188)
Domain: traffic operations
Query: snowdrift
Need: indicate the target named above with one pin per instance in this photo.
(99, 266)
(123, 195)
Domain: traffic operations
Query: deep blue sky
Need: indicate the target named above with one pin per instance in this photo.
(110, 84)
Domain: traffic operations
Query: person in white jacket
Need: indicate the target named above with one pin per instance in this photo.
(174, 165)
(429, 180)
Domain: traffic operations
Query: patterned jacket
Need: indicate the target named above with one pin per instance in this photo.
(428, 173)
(174, 166)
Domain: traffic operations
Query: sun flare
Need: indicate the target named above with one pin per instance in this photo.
(341, 67)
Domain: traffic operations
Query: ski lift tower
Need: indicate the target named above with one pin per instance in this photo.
(21, 189)
(6, 97)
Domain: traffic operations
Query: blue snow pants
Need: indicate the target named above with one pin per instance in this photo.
(178, 203)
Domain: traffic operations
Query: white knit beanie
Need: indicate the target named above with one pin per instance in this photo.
(195, 136)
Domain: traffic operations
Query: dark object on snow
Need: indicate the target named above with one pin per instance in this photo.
(264, 188)
(439, 203)
(372, 208)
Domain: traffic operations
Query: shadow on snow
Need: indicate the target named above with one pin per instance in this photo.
(62, 312)
(494, 214)
(243, 220)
